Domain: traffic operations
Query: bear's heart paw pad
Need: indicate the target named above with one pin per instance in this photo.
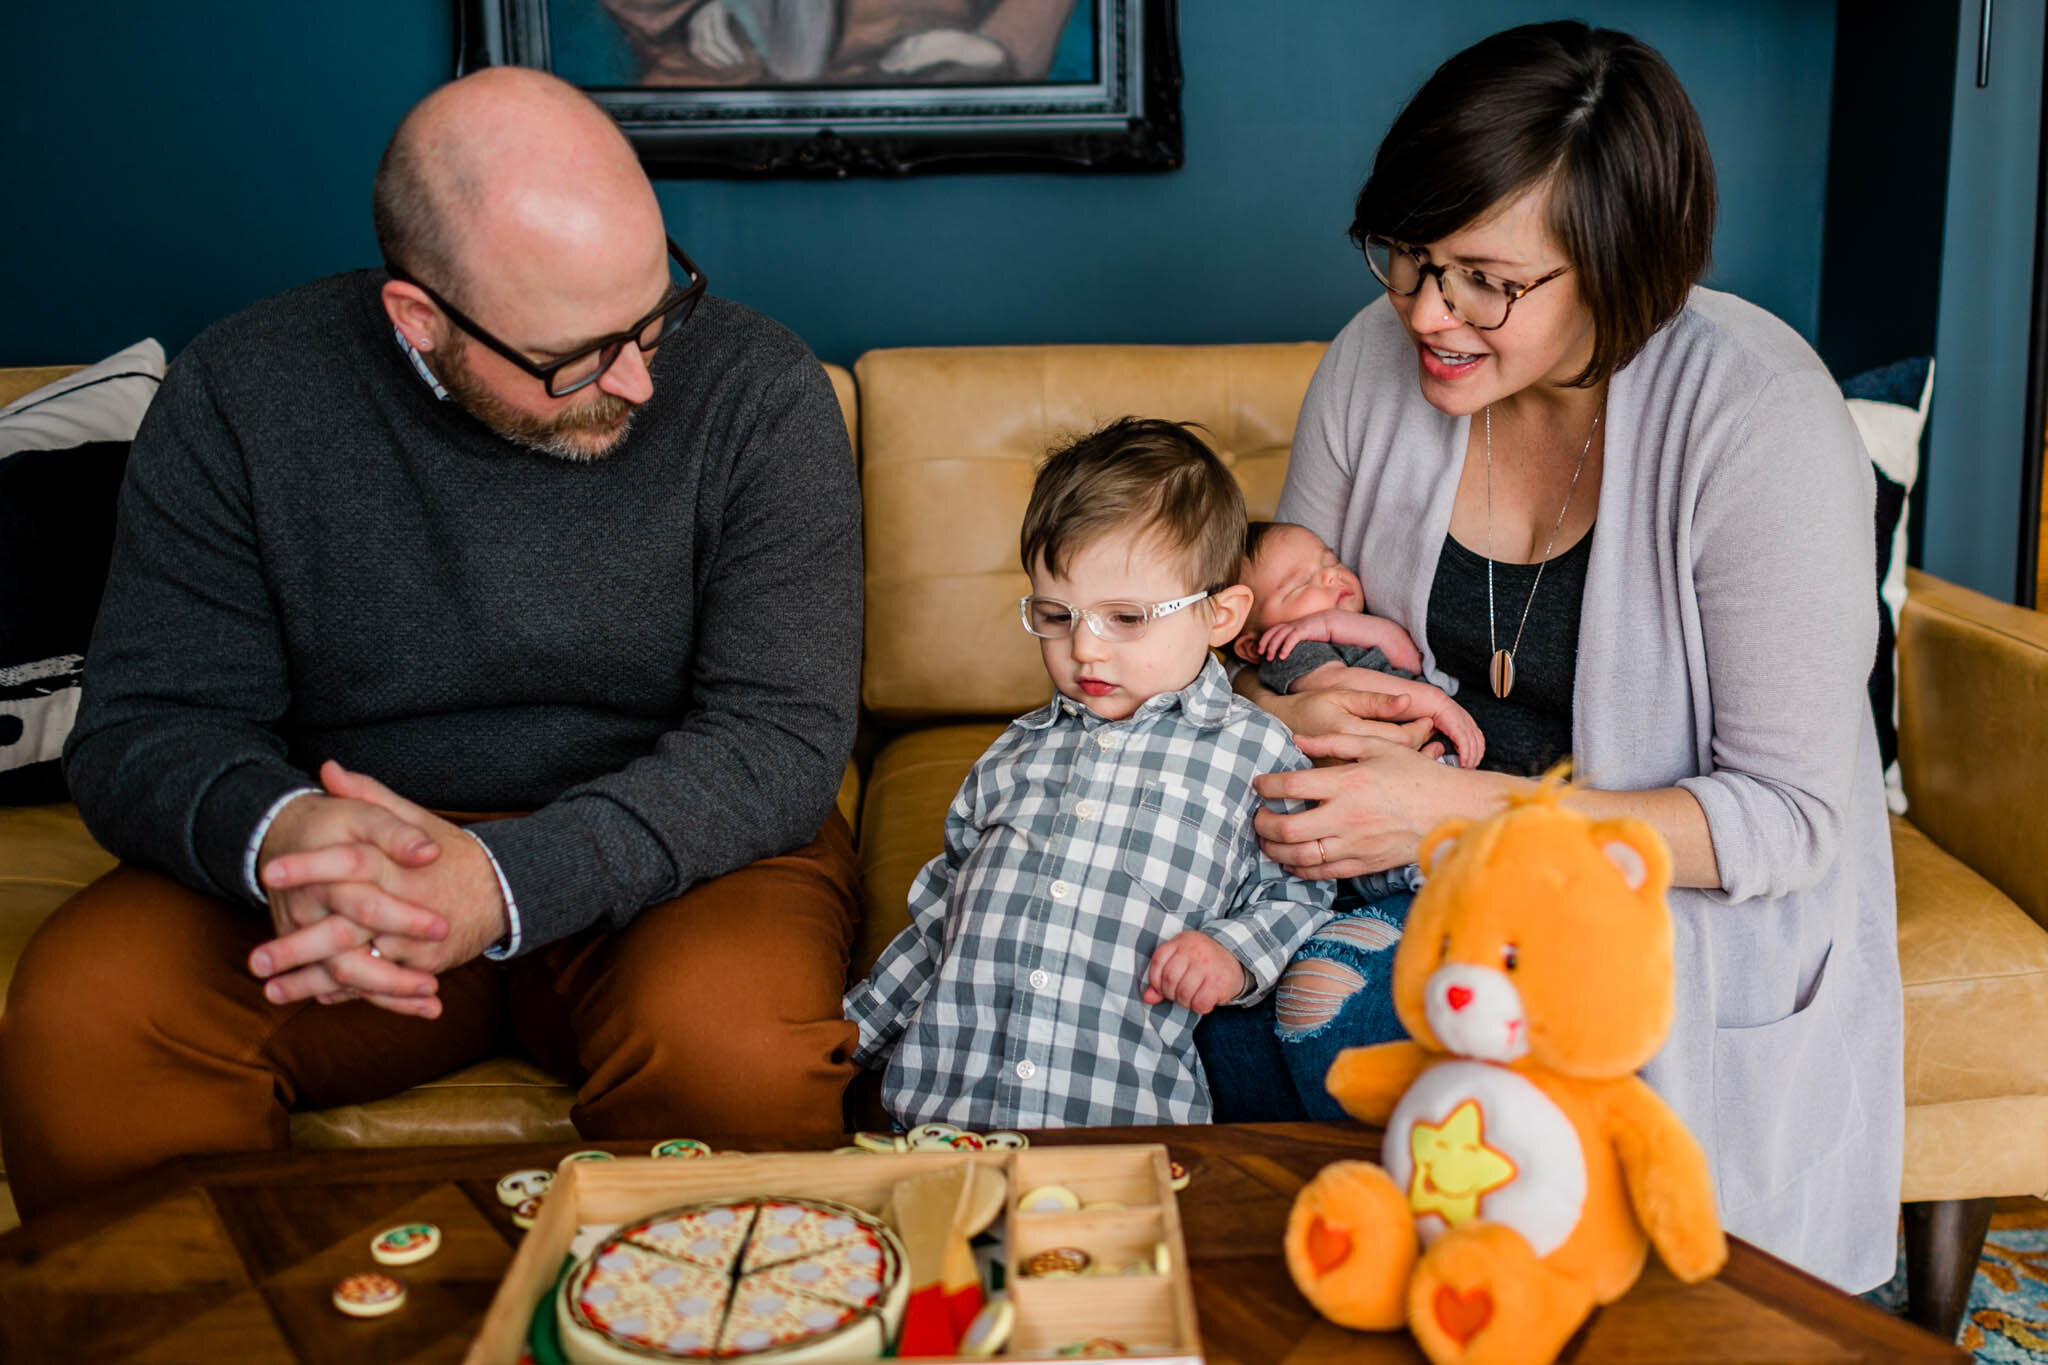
(1327, 1247)
(1461, 1315)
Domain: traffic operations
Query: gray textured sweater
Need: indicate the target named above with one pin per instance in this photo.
(656, 653)
(1727, 626)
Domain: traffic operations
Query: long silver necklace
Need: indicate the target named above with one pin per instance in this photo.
(1501, 672)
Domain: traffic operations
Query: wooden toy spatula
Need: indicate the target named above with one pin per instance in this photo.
(935, 1214)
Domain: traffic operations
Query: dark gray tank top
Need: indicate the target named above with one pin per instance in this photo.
(1532, 728)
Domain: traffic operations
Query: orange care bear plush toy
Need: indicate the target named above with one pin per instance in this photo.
(1526, 1166)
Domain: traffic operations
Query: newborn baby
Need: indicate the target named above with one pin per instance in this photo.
(1308, 629)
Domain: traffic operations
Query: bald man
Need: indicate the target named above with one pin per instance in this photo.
(478, 659)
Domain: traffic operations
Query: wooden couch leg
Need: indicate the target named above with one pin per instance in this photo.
(1944, 1240)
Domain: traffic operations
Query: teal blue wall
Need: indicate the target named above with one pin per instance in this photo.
(170, 163)
(1978, 437)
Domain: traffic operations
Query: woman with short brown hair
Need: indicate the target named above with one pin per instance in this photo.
(1543, 365)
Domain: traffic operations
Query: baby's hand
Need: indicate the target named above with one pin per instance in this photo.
(1279, 641)
(1194, 970)
(1463, 731)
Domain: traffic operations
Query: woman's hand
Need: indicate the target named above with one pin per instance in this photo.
(1370, 810)
(1331, 711)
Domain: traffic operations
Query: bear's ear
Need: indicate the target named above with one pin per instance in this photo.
(1438, 843)
(1638, 852)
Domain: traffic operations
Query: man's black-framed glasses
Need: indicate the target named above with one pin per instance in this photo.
(1473, 296)
(564, 377)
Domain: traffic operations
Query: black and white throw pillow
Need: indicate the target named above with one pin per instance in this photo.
(63, 449)
(1889, 405)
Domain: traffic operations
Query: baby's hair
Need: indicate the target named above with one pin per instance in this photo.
(1255, 533)
(1138, 472)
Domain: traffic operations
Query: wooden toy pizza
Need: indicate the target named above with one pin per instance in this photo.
(780, 1277)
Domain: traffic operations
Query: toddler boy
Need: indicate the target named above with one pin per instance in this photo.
(1101, 886)
(1308, 628)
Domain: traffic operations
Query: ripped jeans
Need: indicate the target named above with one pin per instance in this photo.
(1266, 1062)
(1339, 990)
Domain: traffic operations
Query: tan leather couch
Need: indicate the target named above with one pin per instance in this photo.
(948, 439)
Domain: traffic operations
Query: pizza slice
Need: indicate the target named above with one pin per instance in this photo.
(710, 1236)
(638, 1298)
(852, 1274)
(766, 1319)
(788, 1229)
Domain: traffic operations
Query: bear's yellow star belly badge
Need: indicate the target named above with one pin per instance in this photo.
(1453, 1165)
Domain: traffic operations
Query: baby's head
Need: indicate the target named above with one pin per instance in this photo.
(1123, 529)
(1291, 574)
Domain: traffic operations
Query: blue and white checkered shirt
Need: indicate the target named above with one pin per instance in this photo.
(1076, 847)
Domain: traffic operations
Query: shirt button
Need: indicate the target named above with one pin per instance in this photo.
(1108, 739)
(1025, 1070)
(1040, 979)
(1060, 891)
(1085, 809)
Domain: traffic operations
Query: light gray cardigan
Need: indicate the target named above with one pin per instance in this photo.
(1727, 631)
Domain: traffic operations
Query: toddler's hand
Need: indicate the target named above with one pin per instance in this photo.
(1194, 970)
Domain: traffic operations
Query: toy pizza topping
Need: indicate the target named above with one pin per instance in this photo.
(520, 1185)
(1058, 1261)
(405, 1243)
(880, 1142)
(686, 1148)
(1049, 1199)
(368, 1295)
(991, 1328)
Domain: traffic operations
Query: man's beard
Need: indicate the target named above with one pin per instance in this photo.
(578, 434)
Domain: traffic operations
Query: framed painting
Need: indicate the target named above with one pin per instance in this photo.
(859, 87)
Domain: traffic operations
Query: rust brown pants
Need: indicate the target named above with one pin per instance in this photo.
(134, 1032)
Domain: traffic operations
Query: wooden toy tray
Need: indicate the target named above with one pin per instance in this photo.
(1153, 1315)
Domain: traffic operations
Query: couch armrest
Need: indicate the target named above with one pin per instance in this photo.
(1973, 732)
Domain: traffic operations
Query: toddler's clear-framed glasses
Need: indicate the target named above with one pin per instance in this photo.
(1119, 622)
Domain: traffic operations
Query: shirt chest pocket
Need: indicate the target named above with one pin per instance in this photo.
(1180, 844)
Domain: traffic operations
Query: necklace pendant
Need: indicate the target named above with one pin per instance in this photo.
(1502, 673)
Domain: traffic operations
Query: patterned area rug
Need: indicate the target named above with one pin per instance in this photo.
(2007, 1321)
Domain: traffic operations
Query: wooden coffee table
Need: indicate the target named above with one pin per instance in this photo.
(231, 1260)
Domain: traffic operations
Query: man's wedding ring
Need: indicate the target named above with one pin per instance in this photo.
(1321, 857)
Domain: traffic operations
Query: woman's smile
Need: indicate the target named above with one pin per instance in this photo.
(1439, 363)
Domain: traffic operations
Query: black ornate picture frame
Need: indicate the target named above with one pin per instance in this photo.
(1123, 116)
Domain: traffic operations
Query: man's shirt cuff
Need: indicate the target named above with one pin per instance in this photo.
(256, 840)
(507, 946)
